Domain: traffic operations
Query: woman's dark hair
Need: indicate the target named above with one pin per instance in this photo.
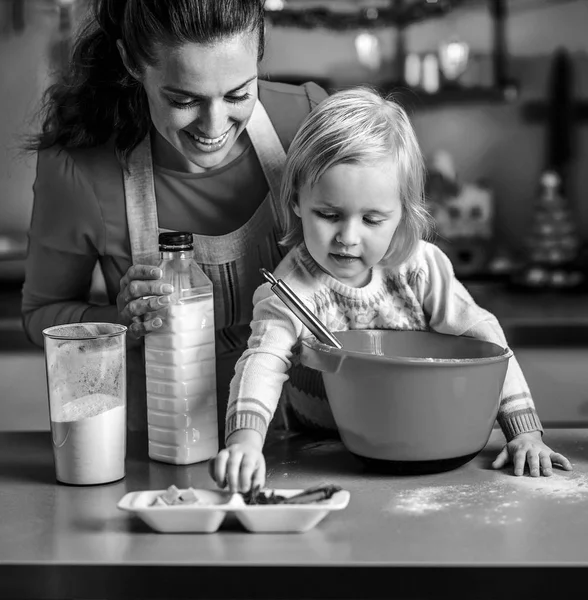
(97, 99)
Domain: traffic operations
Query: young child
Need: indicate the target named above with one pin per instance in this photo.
(353, 198)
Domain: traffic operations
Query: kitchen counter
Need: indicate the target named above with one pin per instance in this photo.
(471, 533)
(536, 318)
(533, 306)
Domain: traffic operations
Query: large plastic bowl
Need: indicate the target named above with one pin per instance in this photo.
(411, 401)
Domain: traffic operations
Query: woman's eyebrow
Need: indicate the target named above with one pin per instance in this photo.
(181, 92)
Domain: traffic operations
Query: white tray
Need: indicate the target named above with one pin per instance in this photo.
(208, 517)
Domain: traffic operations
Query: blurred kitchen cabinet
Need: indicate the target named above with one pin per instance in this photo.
(557, 379)
(23, 391)
(23, 386)
(32, 37)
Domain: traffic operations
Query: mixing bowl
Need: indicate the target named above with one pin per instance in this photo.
(411, 401)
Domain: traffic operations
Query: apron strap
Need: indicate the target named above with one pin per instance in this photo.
(141, 206)
(139, 186)
(270, 152)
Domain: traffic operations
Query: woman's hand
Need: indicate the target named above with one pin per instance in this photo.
(140, 297)
(241, 464)
(529, 448)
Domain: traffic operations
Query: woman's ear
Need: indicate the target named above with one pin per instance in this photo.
(296, 209)
(126, 62)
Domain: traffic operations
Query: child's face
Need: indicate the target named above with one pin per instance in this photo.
(349, 218)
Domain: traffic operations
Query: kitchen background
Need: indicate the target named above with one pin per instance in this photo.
(498, 93)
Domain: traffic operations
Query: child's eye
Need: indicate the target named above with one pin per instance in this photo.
(325, 215)
(237, 99)
(373, 222)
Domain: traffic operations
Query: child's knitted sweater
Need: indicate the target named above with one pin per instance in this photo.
(423, 294)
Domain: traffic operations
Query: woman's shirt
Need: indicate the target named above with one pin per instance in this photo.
(79, 220)
(79, 215)
(211, 205)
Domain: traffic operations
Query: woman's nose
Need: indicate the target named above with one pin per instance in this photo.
(212, 120)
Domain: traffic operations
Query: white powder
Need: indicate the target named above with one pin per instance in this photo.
(495, 502)
(572, 487)
(89, 440)
(86, 407)
(423, 500)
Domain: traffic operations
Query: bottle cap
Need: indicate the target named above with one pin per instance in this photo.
(175, 240)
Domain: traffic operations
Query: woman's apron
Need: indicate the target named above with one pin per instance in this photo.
(231, 261)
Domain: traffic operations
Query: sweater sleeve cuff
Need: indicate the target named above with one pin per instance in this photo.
(521, 421)
(245, 420)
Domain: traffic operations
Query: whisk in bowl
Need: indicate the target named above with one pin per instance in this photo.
(285, 293)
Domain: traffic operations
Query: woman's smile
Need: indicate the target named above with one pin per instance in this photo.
(207, 144)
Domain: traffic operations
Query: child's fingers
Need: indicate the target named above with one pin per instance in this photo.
(234, 469)
(501, 459)
(561, 460)
(533, 462)
(259, 474)
(546, 466)
(248, 465)
(216, 472)
(217, 467)
(519, 460)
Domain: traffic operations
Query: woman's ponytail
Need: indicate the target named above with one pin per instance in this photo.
(96, 100)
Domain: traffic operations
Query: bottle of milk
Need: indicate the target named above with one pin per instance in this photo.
(180, 361)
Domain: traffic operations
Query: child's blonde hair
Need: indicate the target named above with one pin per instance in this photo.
(358, 126)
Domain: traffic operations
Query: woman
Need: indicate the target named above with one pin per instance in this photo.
(160, 124)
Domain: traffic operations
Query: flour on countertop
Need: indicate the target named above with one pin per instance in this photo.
(495, 502)
(436, 498)
(573, 487)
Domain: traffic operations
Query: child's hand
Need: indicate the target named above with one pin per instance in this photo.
(241, 464)
(529, 448)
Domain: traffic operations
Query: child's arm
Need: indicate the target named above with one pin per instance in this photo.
(255, 391)
(452, 310)
(262, 370)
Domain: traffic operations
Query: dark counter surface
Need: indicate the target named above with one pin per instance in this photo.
(512, 306)
(469, 533)
(536, 318)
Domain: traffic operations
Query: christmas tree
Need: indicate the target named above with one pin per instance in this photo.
(552, 246)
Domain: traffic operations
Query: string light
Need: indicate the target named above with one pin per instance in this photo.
(453, 58)
(369, 54)
(280, 14)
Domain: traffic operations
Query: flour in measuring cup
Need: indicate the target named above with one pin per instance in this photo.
(89, 440)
